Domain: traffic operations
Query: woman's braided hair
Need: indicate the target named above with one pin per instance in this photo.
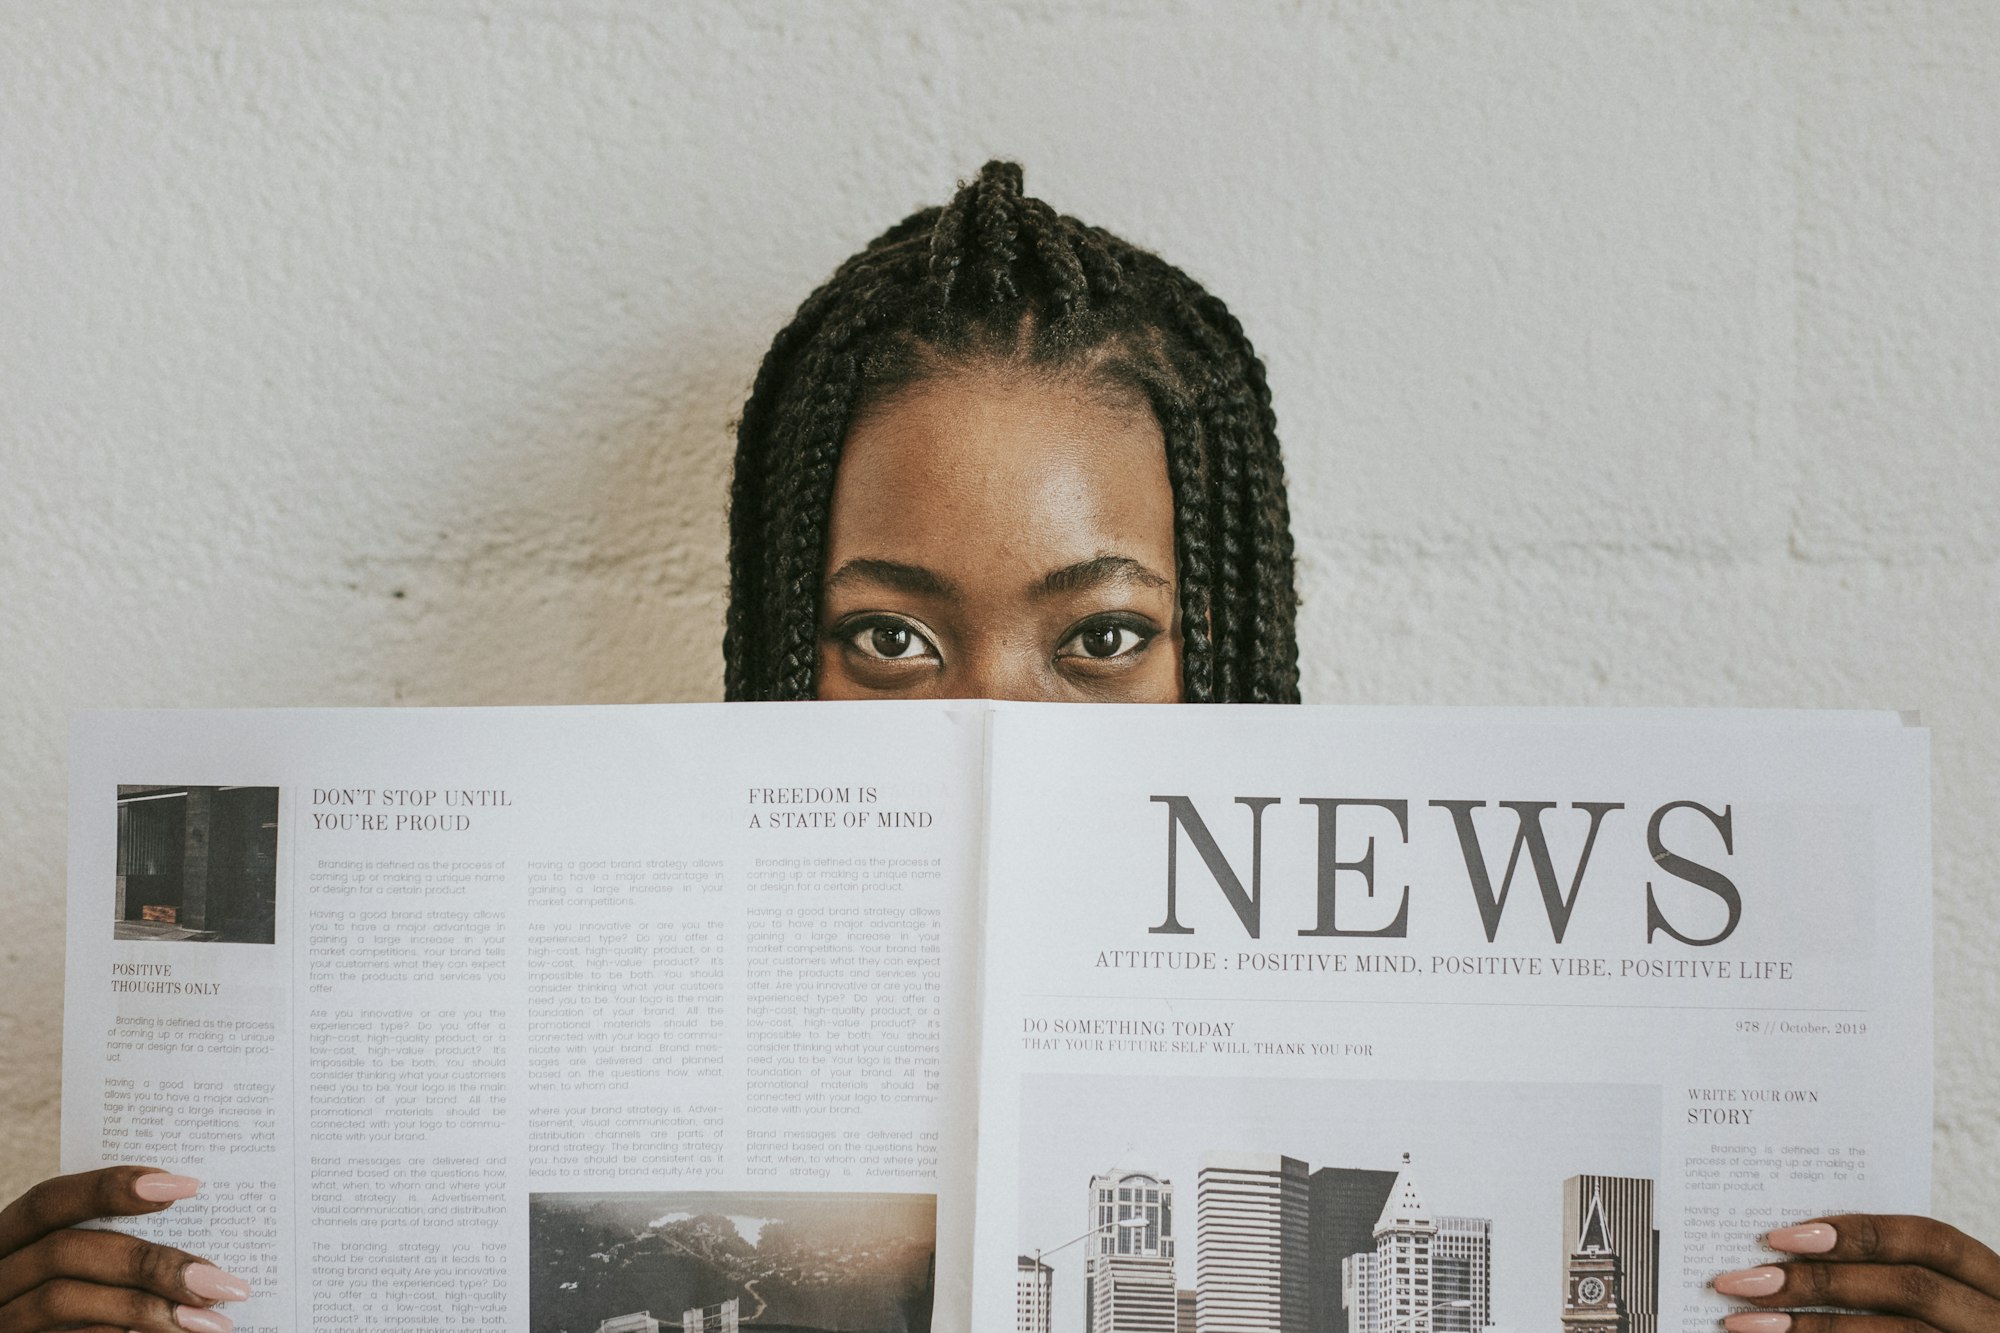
(997, 275)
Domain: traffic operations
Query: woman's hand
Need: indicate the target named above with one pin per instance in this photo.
(1897, 1275)
(54, 1275)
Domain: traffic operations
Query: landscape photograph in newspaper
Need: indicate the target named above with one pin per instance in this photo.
(639, 1261)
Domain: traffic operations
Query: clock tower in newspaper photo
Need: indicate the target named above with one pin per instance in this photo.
(1593, 1281)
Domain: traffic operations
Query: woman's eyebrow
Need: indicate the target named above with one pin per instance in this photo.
(893, 574)
(1104, 569)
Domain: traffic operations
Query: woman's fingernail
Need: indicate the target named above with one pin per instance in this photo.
(1812, 1238)
(160, 1187)
(1765, 1281)
(202, 1321)
(212, 1284)
(1757, 1321)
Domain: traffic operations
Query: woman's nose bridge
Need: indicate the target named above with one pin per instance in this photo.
(1003, 670)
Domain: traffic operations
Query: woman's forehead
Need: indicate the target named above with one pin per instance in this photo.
(981, 467)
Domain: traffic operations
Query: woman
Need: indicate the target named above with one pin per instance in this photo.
(991, 379)
(998, 454)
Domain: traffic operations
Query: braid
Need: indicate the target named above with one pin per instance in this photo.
(1274, 658)
(1095, 248)
(999, 196)
(995, 273)
(798, 529)
(947, 251)
(1192, 547)
(1217, 381)
(1069, 283)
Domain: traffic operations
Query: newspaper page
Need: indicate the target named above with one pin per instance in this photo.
(1419, 1021)
(577, 1019)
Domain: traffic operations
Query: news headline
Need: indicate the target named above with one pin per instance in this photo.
(402, 809)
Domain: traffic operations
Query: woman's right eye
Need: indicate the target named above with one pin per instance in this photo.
(889, 641)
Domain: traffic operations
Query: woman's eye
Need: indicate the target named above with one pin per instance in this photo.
(1106, 640)
(889, 641)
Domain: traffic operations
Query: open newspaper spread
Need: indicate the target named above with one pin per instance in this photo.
(881, 1018)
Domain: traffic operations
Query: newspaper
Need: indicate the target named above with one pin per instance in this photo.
(957, 1015)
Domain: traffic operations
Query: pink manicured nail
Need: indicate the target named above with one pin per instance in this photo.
(1765, 1281)
(160, 1187)
(1812, 1238)
(1757, 1321)
(212, 1284)
(202, 1321)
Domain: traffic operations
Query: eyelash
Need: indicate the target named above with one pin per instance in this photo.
(1142, 632)
(849, 635)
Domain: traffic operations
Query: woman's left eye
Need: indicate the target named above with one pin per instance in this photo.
(1105, 639)
(887, 641)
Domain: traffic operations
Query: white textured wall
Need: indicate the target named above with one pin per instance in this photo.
(361, 353)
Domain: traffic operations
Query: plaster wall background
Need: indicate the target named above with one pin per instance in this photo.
(366, 353)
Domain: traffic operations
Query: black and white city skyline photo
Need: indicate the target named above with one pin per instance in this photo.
(1493, 1159)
